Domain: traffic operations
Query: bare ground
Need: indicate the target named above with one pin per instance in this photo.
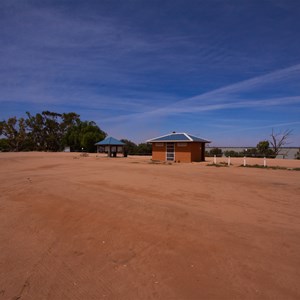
(74, 227)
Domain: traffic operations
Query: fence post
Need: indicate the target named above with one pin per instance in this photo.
(228, 161)
(244, 161)
(215, 159)
(265, 162)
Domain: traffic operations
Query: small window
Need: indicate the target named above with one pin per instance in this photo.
(159, 144)
(181, 144)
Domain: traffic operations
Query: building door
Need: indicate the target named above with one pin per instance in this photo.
(171, 151)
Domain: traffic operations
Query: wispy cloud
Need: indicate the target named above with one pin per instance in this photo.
(54, 55)
(235, 97)
(135, 66)
(229, 97)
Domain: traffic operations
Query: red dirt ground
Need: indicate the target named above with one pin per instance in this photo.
(74, 227)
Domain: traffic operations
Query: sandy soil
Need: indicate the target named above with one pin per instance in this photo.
(74, 227)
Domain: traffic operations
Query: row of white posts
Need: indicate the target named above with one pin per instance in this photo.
(244, 161)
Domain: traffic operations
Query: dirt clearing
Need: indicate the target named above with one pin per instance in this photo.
(74, 227)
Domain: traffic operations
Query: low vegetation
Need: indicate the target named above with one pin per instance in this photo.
(270, 167)
(297, 155)
(221, 164)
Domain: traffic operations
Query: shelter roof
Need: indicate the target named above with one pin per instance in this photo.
(110, 141)
(178, 137)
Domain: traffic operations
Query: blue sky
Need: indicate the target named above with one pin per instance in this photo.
(227, 71)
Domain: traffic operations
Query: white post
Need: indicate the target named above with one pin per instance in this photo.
(215, 159)
(228, 160)
(265, 162)
(244, 161)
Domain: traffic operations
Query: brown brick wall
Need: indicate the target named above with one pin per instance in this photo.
(183, 154)
(192, 152)
(158, 153)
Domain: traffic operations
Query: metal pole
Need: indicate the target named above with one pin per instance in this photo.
(215, 159)
(244, 161)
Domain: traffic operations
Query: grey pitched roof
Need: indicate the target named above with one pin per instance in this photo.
(177, 137)
(110, 141)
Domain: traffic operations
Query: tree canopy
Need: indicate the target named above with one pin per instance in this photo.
(133, 149)
(49, 131)
(83, 135)
(263, 149)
